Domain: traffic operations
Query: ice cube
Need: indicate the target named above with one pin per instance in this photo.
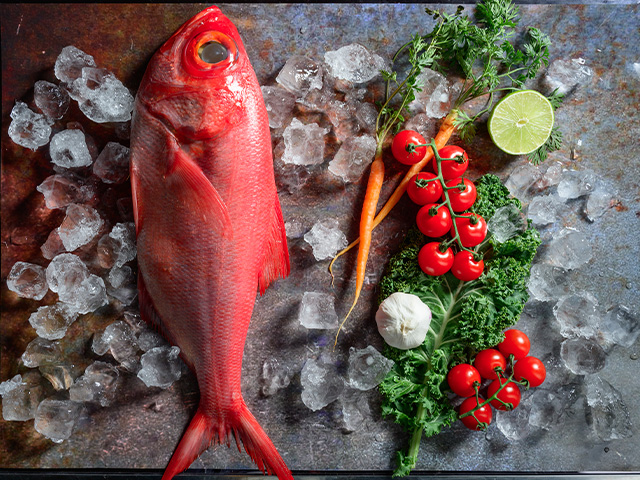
(367, 368)
(546, 209)
(521, 180)
(514, 424)
(122, 284)
(124, 235)
(60, 191)
(551, 176)
(342, 116)
(279, 103)
(421, 123)
(321, 383)
(51, 99)
(564, 75)
(161, 366)
(506, 222)
(65, 272)
(56, 419)
(20, 398)
(547, 407)
(112, 165)
(81, 224)
(60, 376)
(366, 114)
(28, 128)
(99, 384)
(569, 249)
(582, 355)
(325, 238)
(354, 63)
(148, 339)
(275, 376)
(101, 96)
(52, 321)
(577, 315)
(90, 296)
(434, 98)
(355, 409)
(607, 412)
(353, 158)
(576, 183)
(547, 283)
(304, 143)
(620, 326)
(70, 63)
(598, 202)
(300, 74)
(52, 246)
(317, 310)
(28, 280)
(68, 149)
(119, 339)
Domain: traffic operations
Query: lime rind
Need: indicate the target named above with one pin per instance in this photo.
(521, 122)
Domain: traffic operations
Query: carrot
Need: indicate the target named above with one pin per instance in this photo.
(444, 134)
(369, 206)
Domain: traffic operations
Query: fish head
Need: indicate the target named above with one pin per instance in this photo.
(198, 82)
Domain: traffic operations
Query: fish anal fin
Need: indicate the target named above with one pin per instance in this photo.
(276, 258)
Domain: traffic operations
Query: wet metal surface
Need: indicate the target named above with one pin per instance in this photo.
(601, 126)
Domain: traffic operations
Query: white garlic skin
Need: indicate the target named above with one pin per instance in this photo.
(403, 320)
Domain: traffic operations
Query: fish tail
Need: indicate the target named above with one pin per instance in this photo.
(204, 430)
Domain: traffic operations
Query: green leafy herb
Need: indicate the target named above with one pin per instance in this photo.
(467, 317)
(554, 142)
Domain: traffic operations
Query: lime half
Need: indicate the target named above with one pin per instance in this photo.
(521, 122)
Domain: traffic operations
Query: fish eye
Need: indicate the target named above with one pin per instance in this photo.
(213, 52)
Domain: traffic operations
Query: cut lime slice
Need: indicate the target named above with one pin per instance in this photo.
(521, 122)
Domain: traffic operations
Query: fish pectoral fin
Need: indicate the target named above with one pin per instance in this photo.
(189, 185)
(276, 255)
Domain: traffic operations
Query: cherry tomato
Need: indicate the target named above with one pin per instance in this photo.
(515, 343)
(487, 361)
(462, 378)
(530, 369)
(434, 261)
(436, 225)
(484, 414)
(471, 234)
(402, 150)
(510, 393)
(423, 192)
(461, 199)
(465, 268)
(451, 168)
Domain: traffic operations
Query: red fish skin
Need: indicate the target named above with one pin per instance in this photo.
(209, 226)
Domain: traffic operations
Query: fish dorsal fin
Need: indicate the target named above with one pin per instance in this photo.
(276, 258)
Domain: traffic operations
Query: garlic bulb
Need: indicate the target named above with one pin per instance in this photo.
(403, 320)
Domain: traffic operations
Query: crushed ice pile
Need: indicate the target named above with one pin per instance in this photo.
(91, 261)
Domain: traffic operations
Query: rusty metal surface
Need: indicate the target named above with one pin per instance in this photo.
(140, 431)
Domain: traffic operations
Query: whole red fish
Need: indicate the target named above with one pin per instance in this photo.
(208, 222)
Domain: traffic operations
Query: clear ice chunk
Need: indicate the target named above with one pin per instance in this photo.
(514, 424)
(81, 224)
(148, 339)
(506, 222)
(367, 368)
(275, 376)
(161, 366)
(40, 352)
(28, 280)
(354, 63)
(20, 398)
(98, 384)
(56, 419)
(546, 209)
(300, 74)
(321, 383)
(101, 96)
(577, 315)
(342, 116)
(60, 191)
(122, 284)
(51, 99)
(317, 311)
(548, 283)
(112, 165)
(65, 273)
(90, 296)
(325, 238)
(576, 183)
(355, 409)
(59, 376)
(582, 356)
(598, 202)
(521, 180)
(303, 143)
(569, 249)
(70, 63)
(279, 103)
(353, 158)
(52, 321)
(120, 340)
(547, 408)
(434, 98)
(620, 326)
(124, 236)
(607, 412)
(564, 75)
(28, 128)
(68, 149)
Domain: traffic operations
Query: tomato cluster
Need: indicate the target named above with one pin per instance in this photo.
(503, 392)
(441, 209)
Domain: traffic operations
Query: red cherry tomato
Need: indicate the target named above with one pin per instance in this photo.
(487, 361)
(434, 225)
(451, 168)
(434, 261)
(403, 147)
(462, 379)
(530, 369)
(461, 199)
(471, 234)
(515, 343)
(484, 414)
(465, 268)
(423, 192)
(510, 393)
